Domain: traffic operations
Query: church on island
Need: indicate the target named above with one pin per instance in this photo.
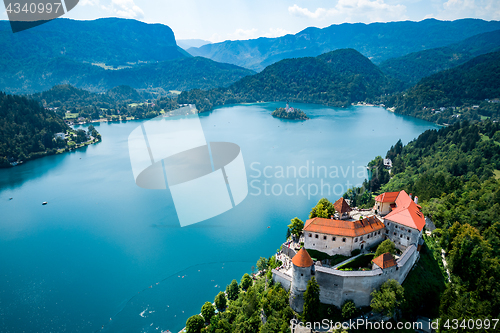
(350, 233)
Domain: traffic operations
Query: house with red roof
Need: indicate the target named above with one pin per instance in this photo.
(405, 222)
(342, 236)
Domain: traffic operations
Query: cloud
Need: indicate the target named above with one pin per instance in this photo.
(278, 32)
(354, 11)
(122, 8)
(242, 34)
(298, 11)
(88, 3)
(454, 9)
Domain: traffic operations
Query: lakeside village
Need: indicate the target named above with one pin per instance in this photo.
(346, 260)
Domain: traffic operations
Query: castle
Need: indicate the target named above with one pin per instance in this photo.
(395, 216)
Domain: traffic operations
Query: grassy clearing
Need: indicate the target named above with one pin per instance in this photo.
(71, 115)
(334, 260)
(363, 261)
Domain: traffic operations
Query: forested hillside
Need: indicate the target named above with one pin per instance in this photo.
(468, 91)
(27, 131)
(377, 41)
(455, 173)
(180, 74)
(337, 78)
(413, 67)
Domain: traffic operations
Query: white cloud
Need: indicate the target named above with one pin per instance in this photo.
(278, 32)
(242, 34)
(298, 11)
(88, 3)
(454, 9)
(354, 11)
(122, 8)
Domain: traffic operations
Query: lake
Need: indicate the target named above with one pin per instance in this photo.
(106, 255)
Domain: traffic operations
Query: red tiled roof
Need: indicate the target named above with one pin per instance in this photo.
(407, 213)
(387, 197)
(344, 228)
(341, 206)
(302, 259)
(385, 260)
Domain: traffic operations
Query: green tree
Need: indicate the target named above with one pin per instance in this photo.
(246, 281)
(348, 309)
(384, 247)
(221, 301)
(207, 311)
(388, 298)
(311, 301)
(296, 227)
(233, 290)
(195, 324)
(262, 264)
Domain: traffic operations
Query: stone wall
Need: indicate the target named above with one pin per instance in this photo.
(285, 280)
(338, 286)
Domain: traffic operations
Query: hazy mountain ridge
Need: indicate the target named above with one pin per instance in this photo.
(377, 41)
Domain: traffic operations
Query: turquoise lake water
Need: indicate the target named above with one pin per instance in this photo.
(106, 255)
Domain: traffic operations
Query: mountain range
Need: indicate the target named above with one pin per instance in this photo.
(101, 54)
(377, 41)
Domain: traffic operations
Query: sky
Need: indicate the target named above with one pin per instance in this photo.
(219, 20)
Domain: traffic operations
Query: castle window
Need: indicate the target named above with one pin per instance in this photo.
(408, 238)
(387, 231)
(355, 240)
(333, 239)
(401, 235)
(343, 239)
(310, 235)
(316, 235)
(361, 238)
(395, 234)
(379, 232)
(301, 274)
(388, 223)
(324, 237)
(367, 236)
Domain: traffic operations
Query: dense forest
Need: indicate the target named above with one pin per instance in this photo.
(413, 67)
(27, 131)
(337, 78)
(468, 91)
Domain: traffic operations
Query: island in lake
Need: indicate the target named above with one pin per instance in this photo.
(289, 113)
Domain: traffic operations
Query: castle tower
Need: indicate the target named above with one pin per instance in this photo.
(303, 268)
